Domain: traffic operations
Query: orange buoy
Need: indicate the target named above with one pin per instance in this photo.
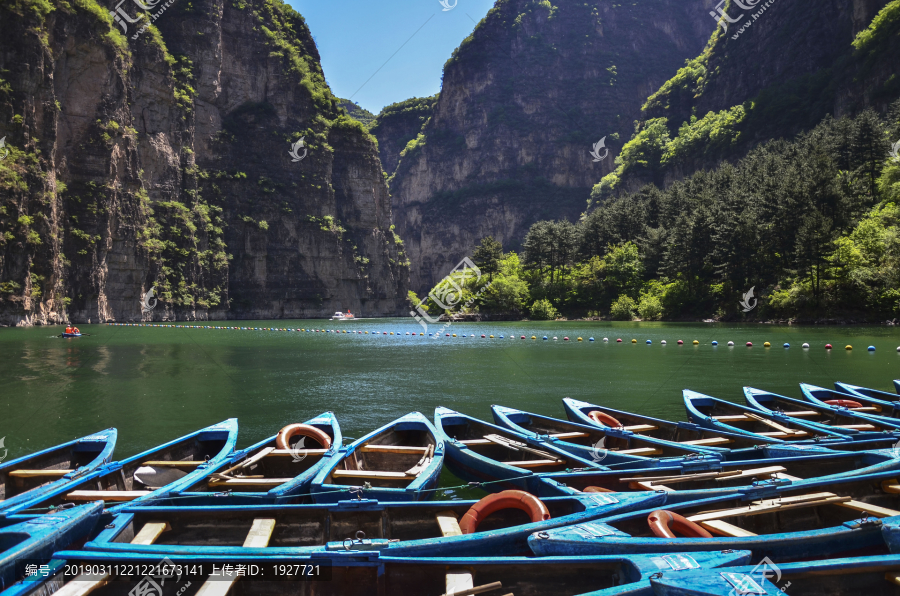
(283, 440)
(508, 499)
(604, 419)
(661, 520)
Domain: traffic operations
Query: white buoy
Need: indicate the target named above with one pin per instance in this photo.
(606, 339)
(806, 347)
(731, 343)
(663, 342)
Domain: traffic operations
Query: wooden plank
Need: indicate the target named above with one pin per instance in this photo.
(891, 486)
(262, 482)
(641, 428)
(150, 533)
(722, 528)
(649, 486)
(866, 409)
(39, 473)
(803, 413)
(732, 418)
(787, 477)
(779, 435)
(476, 442)
(681, 477)
(798, 498)
(462, 591)
(163, 463)
(106, 495)
(758, 472)
(260, 533)
(81, 585)
(369, 474)
(459, 581)
(856, 426)
(518, 446)
(448, 522)
(873, 510)
(642, 451)
(535, 463)
(572, 435)
(710, 442)
(217, 587)
(393, 449)
(893, 577)
(772, 424)
(256, 457)
(293, 452)
(758, 509)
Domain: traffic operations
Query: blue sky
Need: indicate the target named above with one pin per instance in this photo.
(356, 37)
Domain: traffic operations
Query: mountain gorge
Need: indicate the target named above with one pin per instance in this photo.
(523, 101)
(202, 155)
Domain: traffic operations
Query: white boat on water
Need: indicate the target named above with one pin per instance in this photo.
(340, 316)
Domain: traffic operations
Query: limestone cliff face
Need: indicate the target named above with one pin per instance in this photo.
(161, 159)
(397, 125)
(523, 101)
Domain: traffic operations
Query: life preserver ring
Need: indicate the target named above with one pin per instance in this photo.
(508, 499)
(844, 403)
(661, 520)
(604, 419)
(283, 440)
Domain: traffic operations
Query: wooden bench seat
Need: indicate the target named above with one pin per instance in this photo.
(260, 482)
(572, 435)
(150, 533)
(641, 428)
(856, 426)
(710, 442)
(732, 418)
(393, 449)
(106, 495)
(294, 452)
(39, 473)
(803, 414)
(535, 463)
(780, 435)
(372, 475)
(172, 464)
(873, 510)
(476, 442)
(642, 451)
(723, 528)
(448, 523)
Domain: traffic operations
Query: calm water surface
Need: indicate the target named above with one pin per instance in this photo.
(155, 384)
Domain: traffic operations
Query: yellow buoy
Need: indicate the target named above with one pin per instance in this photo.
(421, 334)
(767, 345)
(492, 337)
(634, 341)
(848, 347)
(392, 333)
(579, 339)
(696, 343)
(454, 335)
(533, 337)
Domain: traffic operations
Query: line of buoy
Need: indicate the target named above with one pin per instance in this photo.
(680, 342)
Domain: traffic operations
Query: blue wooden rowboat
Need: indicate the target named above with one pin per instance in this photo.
(427, 528)
(712, 412)
(866, 405)
(26, 478)
(840, 419)
(262, 473)
(889, 402)
(400, 461)
(145, 476)
(35, 540)
(742, 444)
(873, 576)
(798, 521)
(478, 451)
(703, 478)
(596, 443)
(357, 573)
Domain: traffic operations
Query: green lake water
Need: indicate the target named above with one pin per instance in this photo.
(156, 384)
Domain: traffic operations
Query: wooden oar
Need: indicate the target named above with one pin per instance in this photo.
(517, 446)
(243, 464)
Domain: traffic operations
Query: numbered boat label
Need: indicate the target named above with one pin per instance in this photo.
(743, 584)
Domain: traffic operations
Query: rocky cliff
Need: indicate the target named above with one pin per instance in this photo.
(203, 155)
(772, 69)
(523, 101)
(397, 125)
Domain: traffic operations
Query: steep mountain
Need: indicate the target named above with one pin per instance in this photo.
(202, 155)
(397, 125)
(771, 70)
(524, 100)
(357, 112)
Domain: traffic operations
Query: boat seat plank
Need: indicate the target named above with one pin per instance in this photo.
(787, 477)
(773, 424)
(448, 523)
(710, 442)
(370, 474)
(83, 585)
(758, 508)
(261, 482)
(293, 452)
(172, 464)
(217, 587)
(257, 456)
(535, 463)
(393, 449)
(572, 435)
(641, 428)
(732, 418)
(780, 435)
(476, 442)
(723, 528)
(260, 533)
(106, 495)
(873, 510)
(803, 413)
(642, 451)
(856, 426)
(459, 581)
(150, 533)
(38, 473)
(866, 409)
(893, 577)
(649, 486)
(757, 472)
(892, 486)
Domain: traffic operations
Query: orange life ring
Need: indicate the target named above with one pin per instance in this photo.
(844, 403)
(283, 440)
(604, 419)
(597, 489)
(508, 499)
(660, 520)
